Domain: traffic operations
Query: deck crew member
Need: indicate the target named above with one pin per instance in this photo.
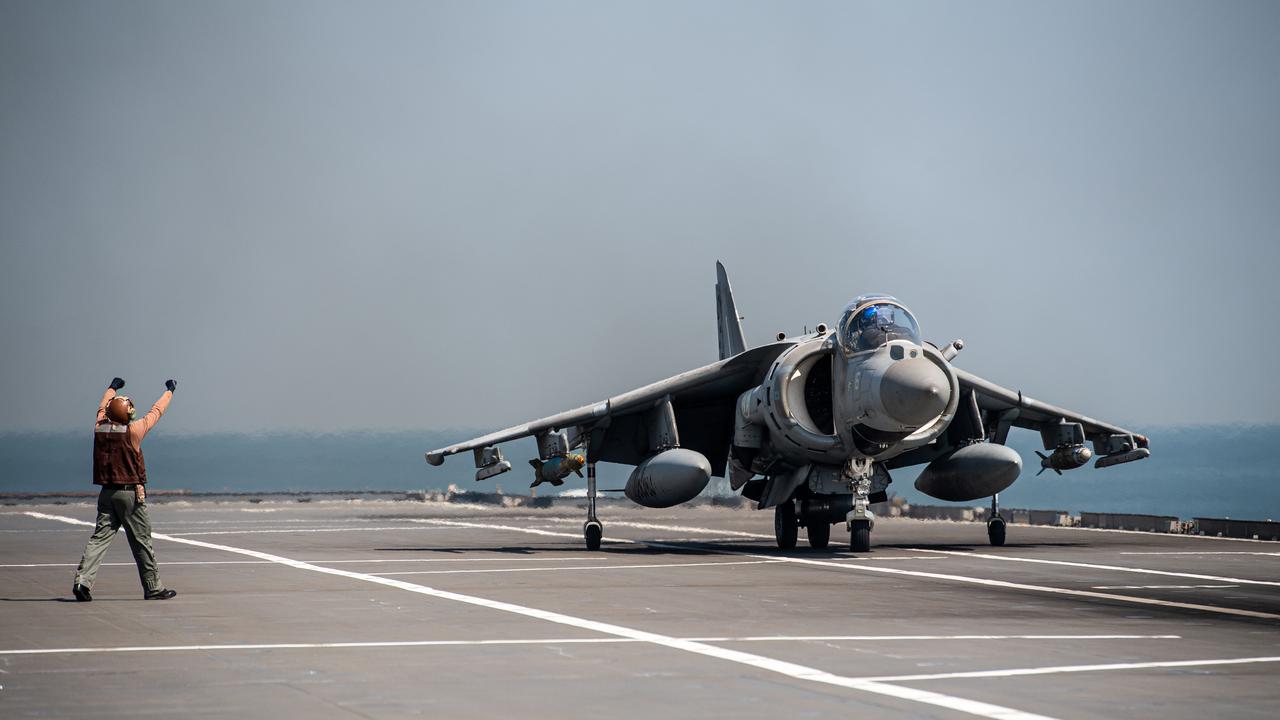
(119, 468)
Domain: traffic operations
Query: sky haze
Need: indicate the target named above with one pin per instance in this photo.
(334, 216)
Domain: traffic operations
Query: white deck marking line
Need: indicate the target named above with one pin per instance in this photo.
(1037, 527)
(895, 557)
(649, 526)
(1034, 588)
(1205, 552)
(791, 670)
(371, 561)
(558, 641)
(1094, 566)
(873, 638)
(977, 581)
(920, 573)
(309, 646)
(512, 528)
(1018, 672)
(1160, 587)
(763, 638)
(268, 521)
(697, 539)
(254, 531)
(676, 528)
(552, 533)
(129, 564)
(1148, 533)
(579, 567)
(518, 558)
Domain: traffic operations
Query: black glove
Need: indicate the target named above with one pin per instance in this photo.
(117, 383)
(170, 385)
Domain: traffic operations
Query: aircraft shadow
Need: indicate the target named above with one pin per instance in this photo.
(664, 547)
(62, 600)
(624, 550)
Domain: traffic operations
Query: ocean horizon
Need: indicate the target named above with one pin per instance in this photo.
(1194, 471)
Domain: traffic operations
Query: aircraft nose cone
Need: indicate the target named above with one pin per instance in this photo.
(914, 391)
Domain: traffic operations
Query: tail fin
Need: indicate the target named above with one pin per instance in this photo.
(537, 472)
(727, 320)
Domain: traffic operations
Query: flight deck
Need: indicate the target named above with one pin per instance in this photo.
(380, 609)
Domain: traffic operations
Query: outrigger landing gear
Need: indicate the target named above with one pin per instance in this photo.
(860, 520)
(592, 529)
(995, 526)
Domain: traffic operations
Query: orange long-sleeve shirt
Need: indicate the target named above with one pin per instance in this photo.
(139, 428)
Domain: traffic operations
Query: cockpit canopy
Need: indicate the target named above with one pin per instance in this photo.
(873, 320)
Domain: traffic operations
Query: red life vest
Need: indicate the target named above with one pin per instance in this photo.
(115, 460)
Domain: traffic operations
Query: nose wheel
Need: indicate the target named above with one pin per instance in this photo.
(860, 536)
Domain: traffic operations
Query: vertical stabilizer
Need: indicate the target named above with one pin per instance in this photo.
(727, 321)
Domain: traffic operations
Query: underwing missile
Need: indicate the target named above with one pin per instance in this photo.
(554, 470)
(1068, 457)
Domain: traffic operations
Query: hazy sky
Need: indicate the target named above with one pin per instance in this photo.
(333, 216)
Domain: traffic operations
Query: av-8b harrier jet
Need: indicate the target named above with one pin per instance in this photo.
(811, 426)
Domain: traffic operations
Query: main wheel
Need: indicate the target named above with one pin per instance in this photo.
(785, 527)
(995, 532)
(819, 532)
(593, 531)
(860, 536)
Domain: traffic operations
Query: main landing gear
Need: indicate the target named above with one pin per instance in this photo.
(996, 525)
(786, 528)
(592, 529)
(785, 525)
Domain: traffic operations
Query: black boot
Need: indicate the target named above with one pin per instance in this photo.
(160, 595)
(82, 593)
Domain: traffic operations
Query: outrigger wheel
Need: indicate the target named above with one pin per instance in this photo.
(995, 526)
(995, 531)
(593, 531)
(860, 536)
(785, 525)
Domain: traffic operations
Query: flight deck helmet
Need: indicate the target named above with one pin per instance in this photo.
(120, 410)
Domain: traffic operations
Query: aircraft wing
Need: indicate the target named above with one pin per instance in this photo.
(703, 400)
(1012, 408)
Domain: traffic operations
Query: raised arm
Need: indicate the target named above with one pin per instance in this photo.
(116, 384)
(140, 428)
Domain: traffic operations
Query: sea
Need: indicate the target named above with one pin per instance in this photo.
(1193, 471)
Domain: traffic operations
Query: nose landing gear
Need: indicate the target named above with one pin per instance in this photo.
(859, 520)
(860, 536)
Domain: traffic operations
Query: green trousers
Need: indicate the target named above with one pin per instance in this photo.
(117, 507)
